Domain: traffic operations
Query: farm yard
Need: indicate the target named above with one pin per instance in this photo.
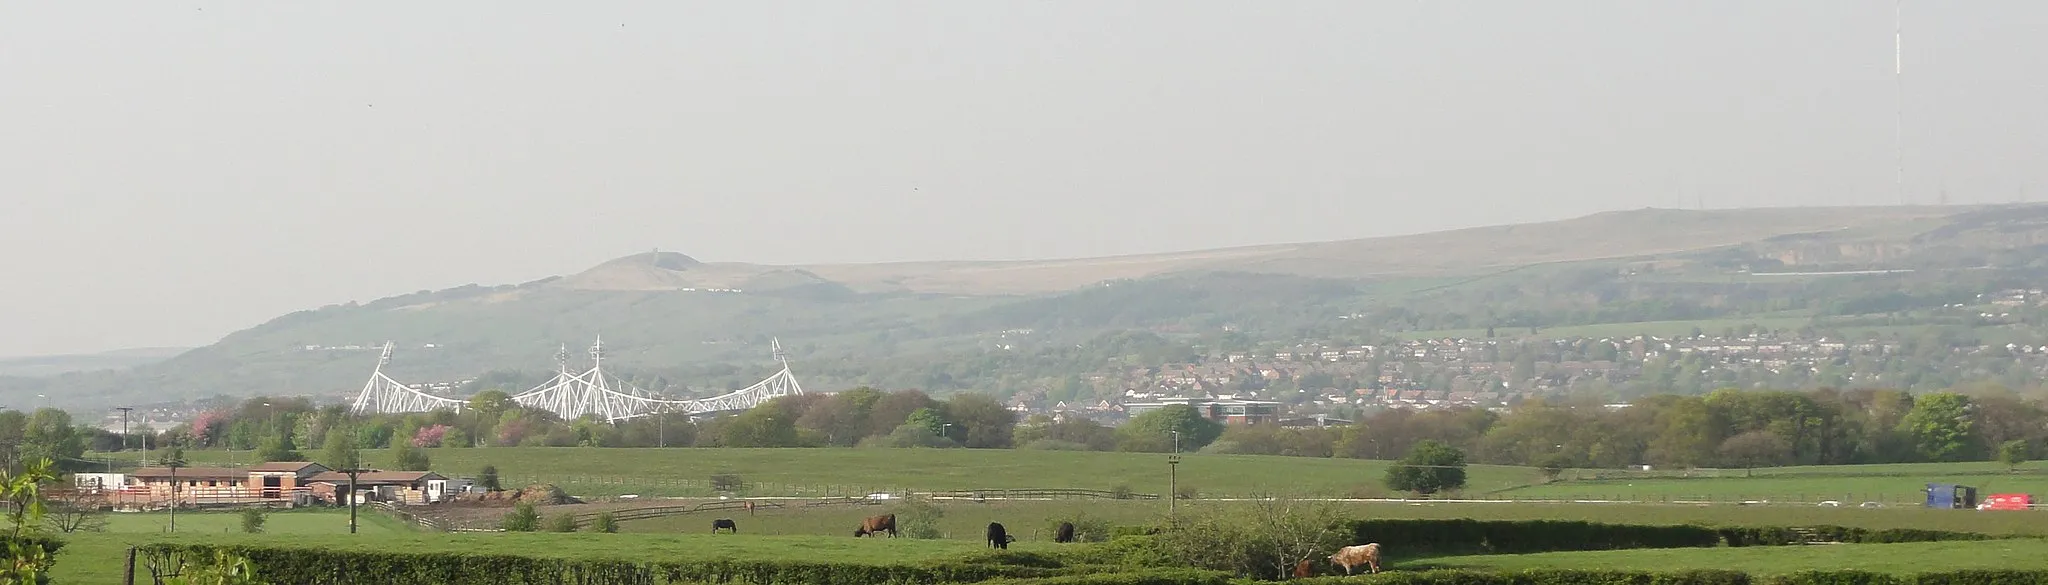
(820, 528)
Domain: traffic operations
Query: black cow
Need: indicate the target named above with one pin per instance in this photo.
(724, 524)
(999, 538)
(1066, 533)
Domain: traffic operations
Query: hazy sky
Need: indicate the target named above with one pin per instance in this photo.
(173, 171)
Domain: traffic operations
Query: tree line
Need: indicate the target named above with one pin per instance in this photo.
(1726, 428)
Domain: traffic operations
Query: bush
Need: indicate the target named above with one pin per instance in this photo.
(563, 522)
(522, 518)
(605, 523)
(1784, 535)
(1086, 528)
(919, 518)
(253, 519)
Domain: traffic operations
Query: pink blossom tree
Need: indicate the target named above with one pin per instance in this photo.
(429, 436)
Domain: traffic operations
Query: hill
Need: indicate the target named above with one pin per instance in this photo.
(682, 326)
(51, 365)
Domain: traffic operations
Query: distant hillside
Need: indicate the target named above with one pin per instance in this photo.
(51, 365)
(689, 327)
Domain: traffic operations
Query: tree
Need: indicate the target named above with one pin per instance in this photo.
(980, 421)
(1153, 430)
(926, 419)
(2013, 453)
(488, 478)
(410, 458)
(760, 427)
(1756, 449)
(279, 448)
(23, 494)
(1940, 426)
(1430, 467)
(77, 511)
(49, 434)
(339, 450)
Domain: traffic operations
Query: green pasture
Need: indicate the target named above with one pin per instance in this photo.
(1033, 520)
(100, 557)
(1884, 558)
(591, 471)
(825, 534)
(1890, 485)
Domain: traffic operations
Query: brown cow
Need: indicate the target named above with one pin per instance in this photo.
(1302, 570)
(1352, 556)
(877, 525)
(749, 505)
(1065, 533)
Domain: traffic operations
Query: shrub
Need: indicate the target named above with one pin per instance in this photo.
(1121, 492)
(488, 478)
(919, 518)
(1086, 528)
(253, 519)
(727, 482)
(563, 522)
(605, 523)
(522, 518)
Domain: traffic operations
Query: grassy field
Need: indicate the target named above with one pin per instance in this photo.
(1886, 558)
(1895, 484)
(1031, 521)
(99, 557)
(586, 472)
(823, 535)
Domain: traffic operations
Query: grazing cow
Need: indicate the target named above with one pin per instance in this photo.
(724, 524)
(1302, 570)
(877, 525)
(1065, 534)
(1352, 556)
(999, 538)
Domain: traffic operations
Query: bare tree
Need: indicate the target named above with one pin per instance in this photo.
(77, 511)
(1262, 540)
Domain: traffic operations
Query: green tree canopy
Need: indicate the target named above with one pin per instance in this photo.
(1154, 430)
(1430, 467)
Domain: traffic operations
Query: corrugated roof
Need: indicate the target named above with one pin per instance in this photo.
(286, 466)
(192, 472)
(339, 478)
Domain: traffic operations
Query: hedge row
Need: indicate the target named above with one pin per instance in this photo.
(1783, 535)
(292, 566)
(1464, 536)
(1704, 577)
(306, 566)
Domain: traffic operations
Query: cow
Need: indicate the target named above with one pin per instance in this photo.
(1352, 556)
(1302, 570)
(749, 505)
(1065, 534)
(724, 524)
(999, 538)
(877, 525)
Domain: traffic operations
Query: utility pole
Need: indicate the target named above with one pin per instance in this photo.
(1172, 465)
(661, 429)
(124, 425)
(352, 472)
(174, 464)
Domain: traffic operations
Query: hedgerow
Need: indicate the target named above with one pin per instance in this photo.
(1464, 536)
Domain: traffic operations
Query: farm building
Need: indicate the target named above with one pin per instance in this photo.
(275, 481)
(399, 487)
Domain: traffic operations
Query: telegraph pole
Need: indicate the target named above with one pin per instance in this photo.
(352, 471)
(1172, 464)
(124, 425)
